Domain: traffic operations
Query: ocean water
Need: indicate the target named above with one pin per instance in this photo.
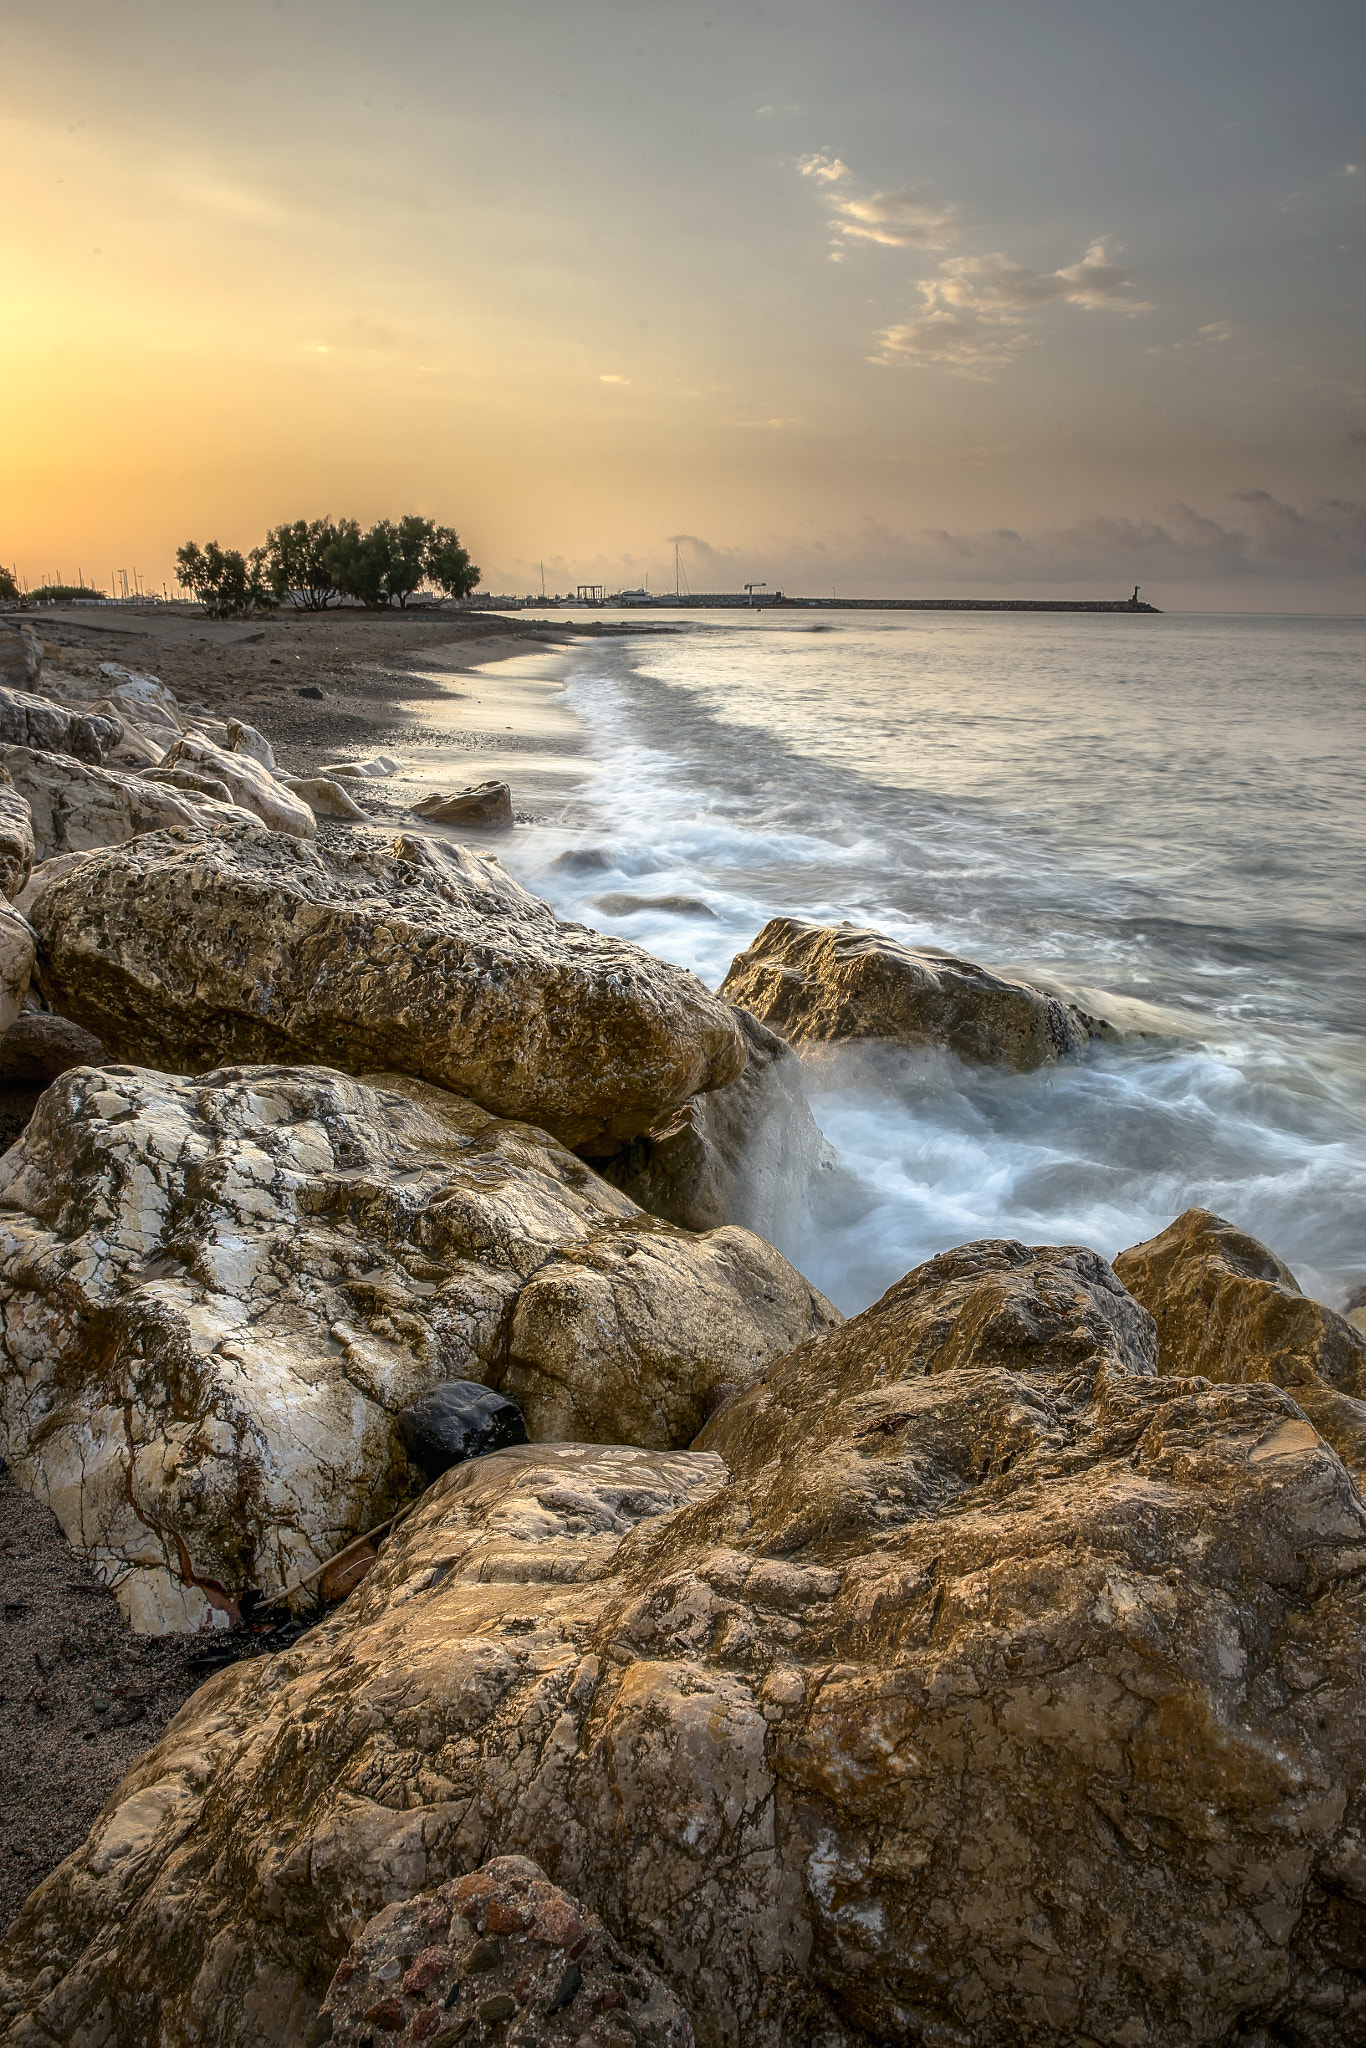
(1162, 816)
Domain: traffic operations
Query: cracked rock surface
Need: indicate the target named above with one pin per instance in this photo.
(969, 1681)
(839, 984)
(75, 807)
(500, 1956)
(192, 947)
(217, 1295)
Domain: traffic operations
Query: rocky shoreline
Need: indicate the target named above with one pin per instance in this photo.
(616, 1644)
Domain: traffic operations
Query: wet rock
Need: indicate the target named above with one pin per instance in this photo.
(219, 1295)
(1227, 1307)
(743, 1154)
(487, 807)
(186, 949)
(75, 807)
(459, 1419)
(971, 1681)
(425, 1968)
(38, 1047)
(253, 787)
(839, 984)
(16, 838)
(621, 904)
(21, 657)
(325, 798)
(34, 722)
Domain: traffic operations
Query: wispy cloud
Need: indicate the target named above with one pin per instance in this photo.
(970, 316)
(897, 220)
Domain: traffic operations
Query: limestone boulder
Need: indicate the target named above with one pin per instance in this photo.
(16, 838)
(21, 657)
(499, 1946)
(253, 787)
(325, 798)
(144, 701)
(219, 1296)
(840, 984)
(129, 748)
(17, 954)
(187, 949)
(190, 781)
(968, 1682)
(486, 807)
(1227, 1307)
(747, 1153)
(248, 739)
(75, 807)
(34, 722)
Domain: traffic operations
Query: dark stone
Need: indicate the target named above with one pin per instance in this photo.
(485, 1955)
(494, 2010)
(312, 690)
(38, 1047)
(320, 2031)
(458, 1420)
(567, 1989)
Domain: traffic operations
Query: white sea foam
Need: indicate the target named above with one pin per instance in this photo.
(1160, 815)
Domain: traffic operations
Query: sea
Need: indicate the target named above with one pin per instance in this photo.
(1161, 816)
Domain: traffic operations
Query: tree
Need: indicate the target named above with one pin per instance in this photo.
(227, 583)
(297, 559)
(9, 589)
(448, 564)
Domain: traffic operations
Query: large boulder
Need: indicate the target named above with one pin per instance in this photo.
(970, 1682)
(325, 798)
(838, 984)
(253, 786)
(16, 838)
(217, 1297)
(1227, 1307)
(486, 807)
(75, 807)
(501, 1944)
(142, 699)
(34, 722)
(744, 1154)
(188, 949)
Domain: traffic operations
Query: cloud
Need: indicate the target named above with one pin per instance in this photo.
(826, 169)
(970, 315)
(613, 377)
(897, 220)
(1264, 539)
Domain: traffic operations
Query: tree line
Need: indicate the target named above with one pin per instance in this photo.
(314, 563)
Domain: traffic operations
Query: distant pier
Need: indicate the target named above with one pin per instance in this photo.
(739, 600)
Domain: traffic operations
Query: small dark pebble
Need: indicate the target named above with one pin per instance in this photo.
(312, 690)
(485, 1955)
(320, 2031)
(495, 2010)
(567, 1990)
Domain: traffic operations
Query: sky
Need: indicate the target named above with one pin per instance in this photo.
(974, 297)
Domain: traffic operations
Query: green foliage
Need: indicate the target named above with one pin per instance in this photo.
(312, 564)
(448, 564)
(227, 583)
(9, 589)
(298, 565)
(60, 593)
